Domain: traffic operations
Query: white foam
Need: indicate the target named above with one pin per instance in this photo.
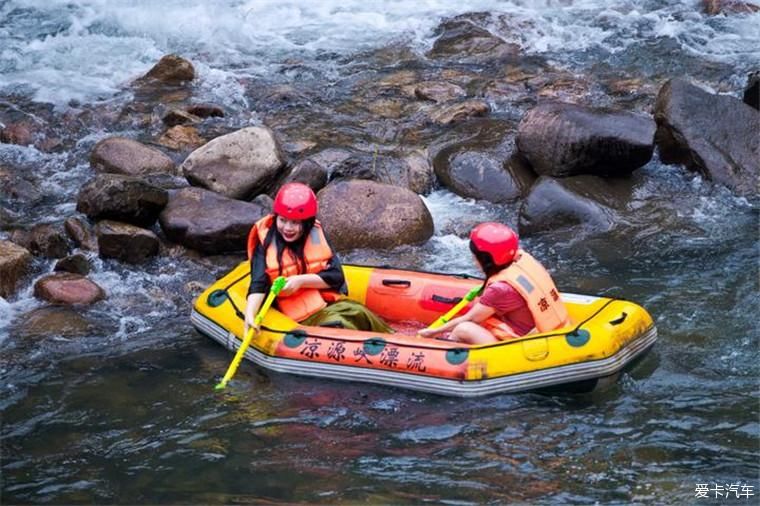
(90, 49)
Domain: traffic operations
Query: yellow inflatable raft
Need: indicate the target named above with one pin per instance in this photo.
(605, 336)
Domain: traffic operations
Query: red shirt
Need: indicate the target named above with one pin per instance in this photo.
(510, 307)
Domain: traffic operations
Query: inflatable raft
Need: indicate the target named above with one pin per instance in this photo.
(605, 336)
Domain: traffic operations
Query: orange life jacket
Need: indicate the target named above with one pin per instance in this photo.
(317, 255)
(535, 285)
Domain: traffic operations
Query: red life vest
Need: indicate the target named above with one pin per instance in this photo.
(529, 278)
(317, 255)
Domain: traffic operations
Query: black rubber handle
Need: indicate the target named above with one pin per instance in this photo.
(446, 300)
(397, 282)
(620, 320)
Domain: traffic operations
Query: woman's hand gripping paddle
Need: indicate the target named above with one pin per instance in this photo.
(277, 286)
(456, 309)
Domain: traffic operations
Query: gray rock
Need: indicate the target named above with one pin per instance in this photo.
(560, 140)
(122, 198)
(126, 242)
(367, 214)
(480, 175)
(208, 222)
(119, 155)
(236, 165)
(77, 264)
(715, 135)
(589, 201)
(45, 240)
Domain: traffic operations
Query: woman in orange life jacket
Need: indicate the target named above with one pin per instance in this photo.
(291, 243)
(519, 296)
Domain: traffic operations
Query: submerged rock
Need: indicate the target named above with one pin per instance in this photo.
(589, 201)
(53, 321)
(237, 164)
(14, 262)
(560, 139)
(119, 155)
(459, 112)
(367, 214)
(715, 135)
(68, 288)
(208, 222)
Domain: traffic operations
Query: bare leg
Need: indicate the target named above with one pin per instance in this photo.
(472, 333)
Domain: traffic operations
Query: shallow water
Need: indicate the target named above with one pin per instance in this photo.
(128, 413)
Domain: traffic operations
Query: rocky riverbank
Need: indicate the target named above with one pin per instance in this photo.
(170, 174)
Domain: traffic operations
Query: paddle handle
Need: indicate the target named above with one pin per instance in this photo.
(276, 288)
(456, 309)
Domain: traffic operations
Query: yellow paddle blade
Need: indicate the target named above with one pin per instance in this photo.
(276, 288)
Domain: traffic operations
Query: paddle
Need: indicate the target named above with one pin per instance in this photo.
(277, 287)
(458, 307)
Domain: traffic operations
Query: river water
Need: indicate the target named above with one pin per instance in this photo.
(127, 413)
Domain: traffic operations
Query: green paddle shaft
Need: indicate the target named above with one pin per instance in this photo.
(457, 308)
(277, 287)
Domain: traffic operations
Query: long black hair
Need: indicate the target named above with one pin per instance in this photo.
(296, 247)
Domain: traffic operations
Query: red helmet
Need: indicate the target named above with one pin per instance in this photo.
(498, 240)
(295, 201)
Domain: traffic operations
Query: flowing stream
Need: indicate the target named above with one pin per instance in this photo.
(127, 412)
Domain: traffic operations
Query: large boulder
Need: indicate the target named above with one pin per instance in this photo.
(715, 135)
(561, 139)
(236, 165)
(481, 175)
(367, 214)
(68, 288)
(119, 155)
(591, 202)
(122, 198)
(126, 242)
(208, 222)
(14, 262)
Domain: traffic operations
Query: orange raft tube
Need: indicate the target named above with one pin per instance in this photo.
(604, 337)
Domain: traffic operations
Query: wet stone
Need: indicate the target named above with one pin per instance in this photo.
(126, 242)
(68, 288)
(53, 321)
(14, 262)
(77, 264)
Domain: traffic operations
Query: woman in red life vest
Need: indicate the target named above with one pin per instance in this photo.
(519, 296)
(290, 242)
